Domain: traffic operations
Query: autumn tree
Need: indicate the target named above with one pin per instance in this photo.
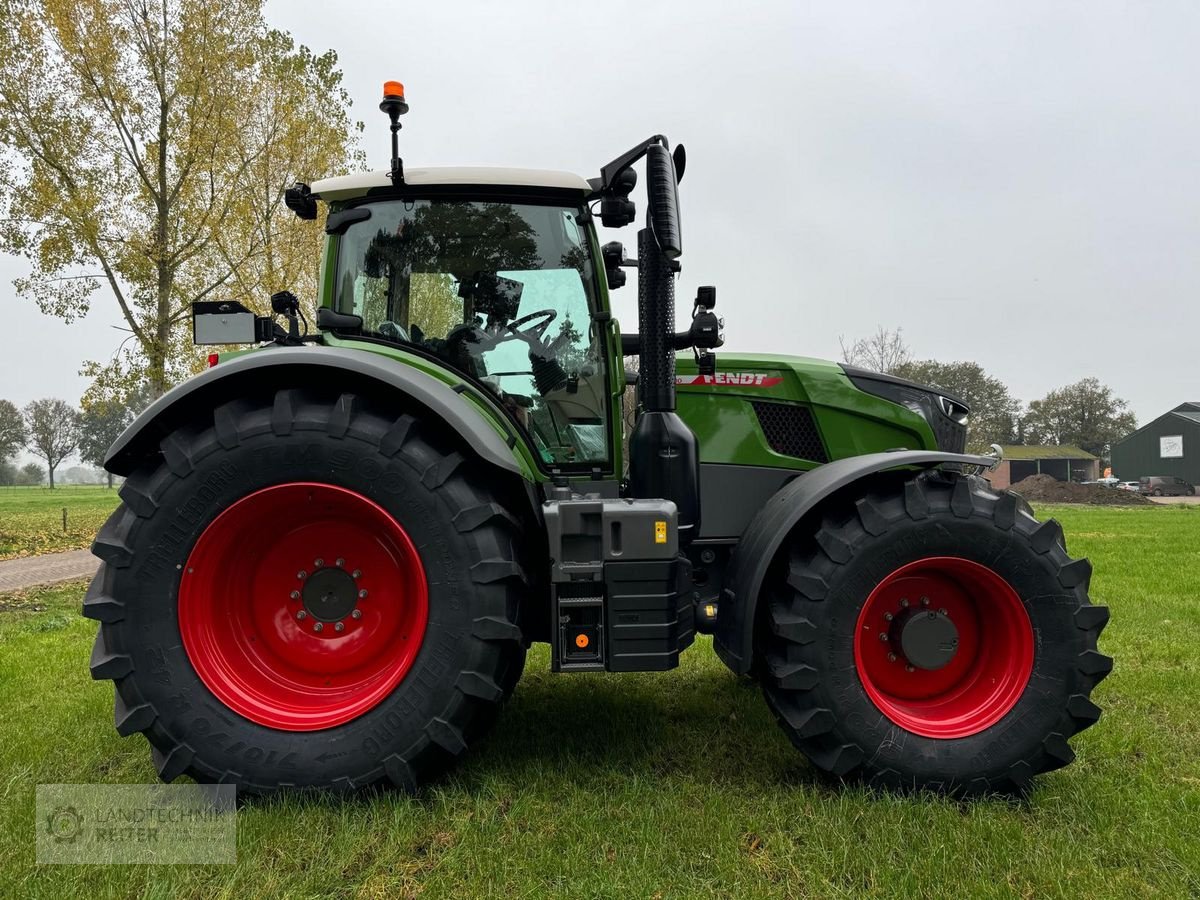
(994, 411)
(884, 351)
(53, 431)
(148, 145)
(12, 430)
(1086, 414)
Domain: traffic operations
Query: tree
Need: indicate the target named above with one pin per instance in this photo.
(884, 351)
(12, 430)
(8, 473)
(994, 411)
(53, 428)
(100, 424)
(1086, 414)
(150, 142)
(31, 474)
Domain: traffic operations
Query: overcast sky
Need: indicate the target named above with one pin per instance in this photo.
(1012, 183)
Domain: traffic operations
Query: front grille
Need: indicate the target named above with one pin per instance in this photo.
(790, 430)
(951, 436)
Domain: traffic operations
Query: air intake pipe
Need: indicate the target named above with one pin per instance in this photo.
(664, 458)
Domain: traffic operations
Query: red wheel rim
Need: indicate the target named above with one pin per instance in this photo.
(985, 673)
(302, 606)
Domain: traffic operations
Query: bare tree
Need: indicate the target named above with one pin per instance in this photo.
(53, 431)
(884, 351)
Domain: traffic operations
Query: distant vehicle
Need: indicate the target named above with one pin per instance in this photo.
(1129, 486)
(1109, 481)
(1165, 486)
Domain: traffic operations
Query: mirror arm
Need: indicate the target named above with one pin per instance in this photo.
(609, 173)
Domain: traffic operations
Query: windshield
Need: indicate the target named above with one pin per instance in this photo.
(499, 291)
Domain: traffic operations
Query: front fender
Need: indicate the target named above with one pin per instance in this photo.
(769, 529)
(318, 367)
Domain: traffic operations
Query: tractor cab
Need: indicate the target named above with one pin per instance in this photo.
(490, 273)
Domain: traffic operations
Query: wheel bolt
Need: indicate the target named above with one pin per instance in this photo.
(924, 601)
(887, 617)
(943, 611)
(295, 595)
(301, 574)
(883, 636)
(340, 562)
(362, 595)
(909, 669)
(319, 627)
(318, 562)
(904, 602)
(891, 657)
(357, 614)
(357, 573)
(340, 626)
(302, 615)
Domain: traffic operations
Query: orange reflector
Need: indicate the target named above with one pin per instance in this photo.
(393, 89)
(581, 641)
(213, 359)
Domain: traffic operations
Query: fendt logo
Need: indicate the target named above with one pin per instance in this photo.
(742, 379)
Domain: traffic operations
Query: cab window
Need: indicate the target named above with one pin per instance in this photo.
(502, 292)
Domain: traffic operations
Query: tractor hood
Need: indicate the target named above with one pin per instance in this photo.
(849, 411)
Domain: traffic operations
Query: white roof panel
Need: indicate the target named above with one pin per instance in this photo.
(344, 187)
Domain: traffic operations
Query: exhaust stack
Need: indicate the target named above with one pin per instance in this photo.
(664, 458)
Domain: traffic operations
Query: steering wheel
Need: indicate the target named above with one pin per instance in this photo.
(538, 331)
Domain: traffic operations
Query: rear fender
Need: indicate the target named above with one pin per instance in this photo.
(768, 532)
(365, 374)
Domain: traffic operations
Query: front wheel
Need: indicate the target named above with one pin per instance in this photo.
(933, 635)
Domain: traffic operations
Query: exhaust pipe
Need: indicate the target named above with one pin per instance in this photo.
(664, 459)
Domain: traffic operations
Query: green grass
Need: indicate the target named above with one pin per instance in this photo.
(672, 785)
(31, 519)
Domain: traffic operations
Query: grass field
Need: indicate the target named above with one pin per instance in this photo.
(672, 785)
(31, 519)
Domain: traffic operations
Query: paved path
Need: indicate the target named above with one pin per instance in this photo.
(16, 574)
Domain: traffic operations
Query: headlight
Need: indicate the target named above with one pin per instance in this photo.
(947, 416)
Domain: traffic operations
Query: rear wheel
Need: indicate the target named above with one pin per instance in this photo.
(933, 635)
(307, 593)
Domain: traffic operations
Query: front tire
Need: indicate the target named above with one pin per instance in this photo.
(933, 635)
(304, 591)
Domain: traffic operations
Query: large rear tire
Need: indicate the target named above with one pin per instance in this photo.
(933, 635)
(302, 591)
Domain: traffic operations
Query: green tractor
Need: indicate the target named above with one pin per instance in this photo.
(333, 550)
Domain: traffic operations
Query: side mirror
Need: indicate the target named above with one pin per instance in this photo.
(663, 196)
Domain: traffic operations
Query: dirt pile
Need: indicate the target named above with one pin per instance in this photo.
(1047, 489)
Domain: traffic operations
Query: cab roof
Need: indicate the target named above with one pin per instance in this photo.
(347, 187)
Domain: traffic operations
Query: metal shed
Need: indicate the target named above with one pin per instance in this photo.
(1168, 445)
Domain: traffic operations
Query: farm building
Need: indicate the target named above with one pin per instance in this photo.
(1063, 463)
(1169, 445)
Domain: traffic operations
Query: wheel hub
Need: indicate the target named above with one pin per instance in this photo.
(329, 594)
(944, 647)
(303, 605)
(927, 638)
